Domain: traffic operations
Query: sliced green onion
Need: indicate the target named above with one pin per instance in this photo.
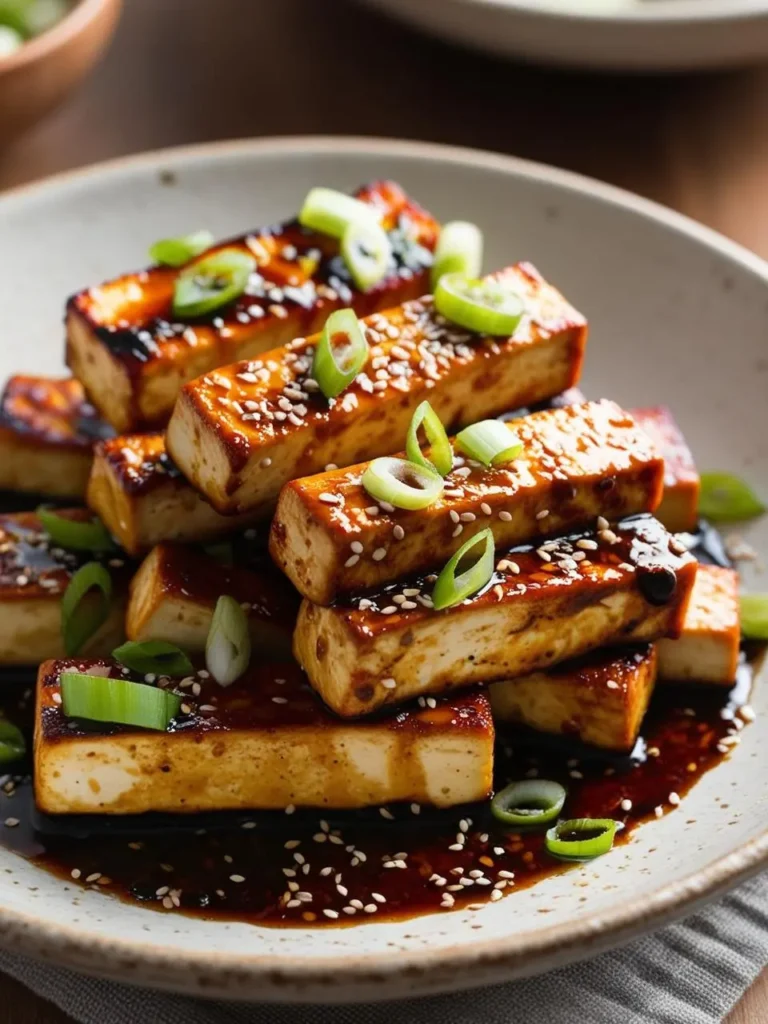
(156, 656)
(12, 743)
(175, 252)
(10, 41)
(90, 535)
(489, 442)
(341, 352)
(451, 589)
(367, 252)
(532, 802)
(754, 616)
(459, 251)
(581, 838)
(228, 647)
(118, 701)
(401, 483)
(85, 605)
(441, 453)
(482, 305)
(212, 282)
(331, 212)
(726, 498)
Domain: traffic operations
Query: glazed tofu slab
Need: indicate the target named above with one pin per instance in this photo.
(34, 574)
(143, 499)
(47, 433)
(599, 699)
(629, 583)
(241, 433)
(133, 355)
(329, 536)
(679, 508)
(707, 650)
(266, 742)
(174, 594)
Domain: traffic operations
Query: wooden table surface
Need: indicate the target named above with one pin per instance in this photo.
(183, 71)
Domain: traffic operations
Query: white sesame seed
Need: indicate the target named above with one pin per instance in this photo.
(75, 873)
(328, 499)
(386, 814)
(290, 809)
(674, 799)
(292, 904)
(457, 531)
(626, 805)
(379, 553)
(56, 698)
(356, 547)
(237, 878)
(388, 684)
(602, 524)
(372, 510)
(333, 914)
(398, 532)
(486, 509)
(747, 713)
(506, 874)
(505, 516)
(352, 560)
(543, 514)
(496, 894)
(612, 684)
(415, 809)
(658, 811)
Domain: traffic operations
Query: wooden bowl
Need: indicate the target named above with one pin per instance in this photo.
(42, 72)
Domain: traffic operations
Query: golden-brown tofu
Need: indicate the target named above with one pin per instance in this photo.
(267, 742)
(242, 432)
(542, 606)
(679, 508)
(144, 500)
(174, 594)
(34, 574)
(707, 650)
(599, 699)
(329, 536)
(47, 433)
(133, 355)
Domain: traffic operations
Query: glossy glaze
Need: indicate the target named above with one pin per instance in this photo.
(50, 412)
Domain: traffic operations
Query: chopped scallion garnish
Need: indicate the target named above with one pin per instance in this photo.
(401, 483)
(726, 498)
(212, 282)
(117, 701)
(489, 442)
(73, 534)
(485, 306)
(228, 647)
(12, 743)
(367, 252)
(581, 838)
(341, 352)
(441, 453)
(85, 605)
(450, 588)
(175, 252)
(531, 802)
(155, 656)
(331, 212)
(754, 616)
(459, 250)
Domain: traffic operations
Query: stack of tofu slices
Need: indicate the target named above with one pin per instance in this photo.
(214, 464)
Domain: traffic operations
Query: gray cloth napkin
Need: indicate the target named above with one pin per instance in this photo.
(689, 973)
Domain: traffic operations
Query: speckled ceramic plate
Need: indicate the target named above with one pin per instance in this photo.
(638, 35)
(678, 317)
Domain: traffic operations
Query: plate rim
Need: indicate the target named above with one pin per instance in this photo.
(325, 977)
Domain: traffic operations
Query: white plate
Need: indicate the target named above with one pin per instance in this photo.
(671, 35)
(678, 317)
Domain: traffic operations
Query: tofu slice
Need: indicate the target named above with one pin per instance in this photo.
(133, 355)
(240, 433)
(599, 699)
(542, 607)
(679, 508)
(33, 578)
(47, 433)
(174, 594)
(330, 537)
(264, 743)
(144, 500)
(707, 650)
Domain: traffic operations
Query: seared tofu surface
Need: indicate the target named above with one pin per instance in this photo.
(599, 699)
(707, 650)
(133, 355)
(144, 500)
(542, 606)
(329, 535)
(240, 433)
(267, 742)
(47, 433)
(174, 594)
(34, 574)
(679, 508)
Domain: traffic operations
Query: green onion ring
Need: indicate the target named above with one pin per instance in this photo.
(117, 701)
(441, 453)
(726, 498)
(212, 282)
(12, 743)
(331, 212)
(459, 250)
(228, 647)
(81, 618)
(75, 535)
(156, 656)
(482, 305)
(367, 252)
(451, 589)
(598, 838)
(175, 252)
(754, 616)
(401, 483)
(530, 802)
(489, 442)
(341, 352)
